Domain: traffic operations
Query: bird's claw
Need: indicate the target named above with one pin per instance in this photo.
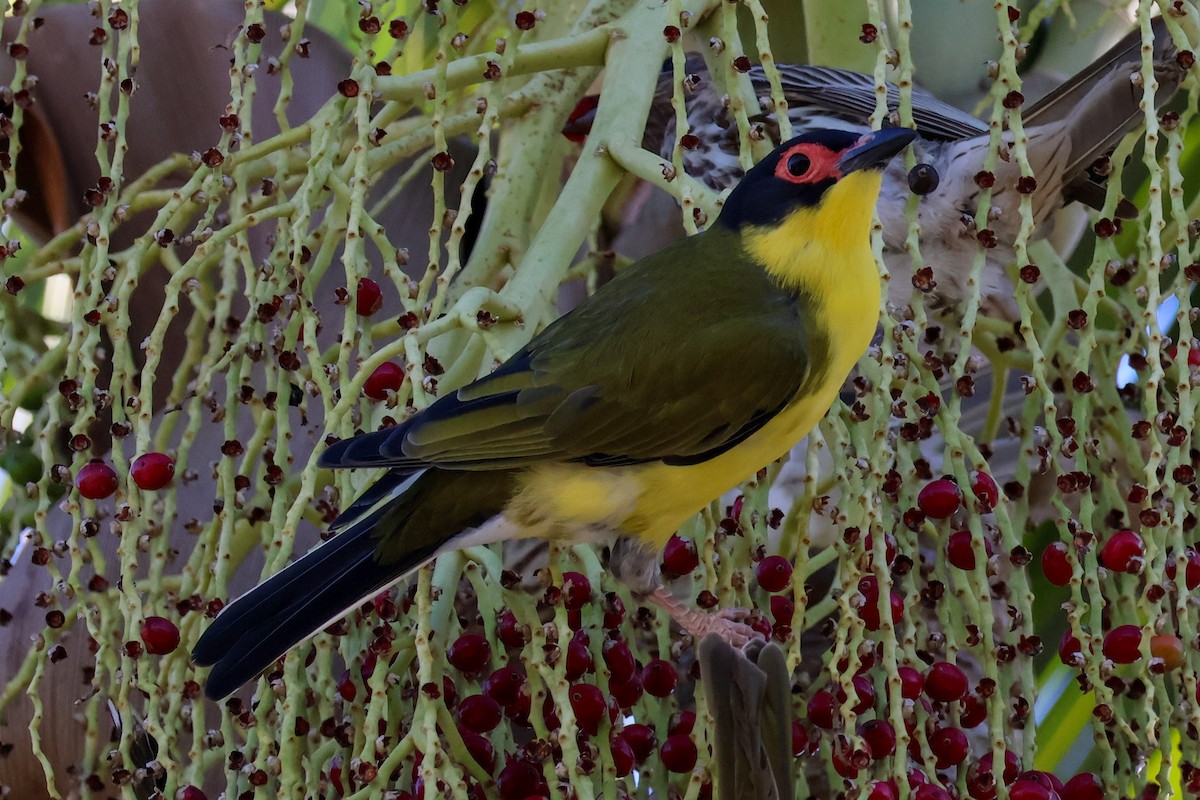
(728, 623)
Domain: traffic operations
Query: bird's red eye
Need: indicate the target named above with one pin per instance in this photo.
(798, 165)
(807, 163)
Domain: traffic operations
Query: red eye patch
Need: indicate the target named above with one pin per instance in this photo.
(807, 162)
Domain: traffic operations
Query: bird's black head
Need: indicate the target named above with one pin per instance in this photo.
(799, 172)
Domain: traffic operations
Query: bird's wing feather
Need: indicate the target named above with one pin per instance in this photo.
(851, 96)
(611, 384)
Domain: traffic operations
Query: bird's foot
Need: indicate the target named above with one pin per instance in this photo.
(728, 623)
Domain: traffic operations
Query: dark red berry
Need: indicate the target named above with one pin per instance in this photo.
(912, 683)
(388, 375)
(626, 693)
(880, 737)
(370, 297)
(1030, 790)
(579, 657)
(821, 709)
(614, 611)
(478, 713)
(152, 471)
(96, 480)
(521, 779)
(773, 573)
(889, 546)
(619, 660)
(800, 738)
(987, 493)
(641, 740)
(679, 557)
(577, 590)
(470, 653)
(981, 783)
(884, 790)
(160, 635)
(481, 750)
(1070, 649)
(945, 682)
(678, 753)
(868, 587)
(192, 793)
(939, 499)
(587, 701)
(681, 723)
(930, 791)
(974, 712)
(783, 608)
(504, 685)
(949, 746)
(346, 687)
(960, 551)
(1191, 571)
(510, 631)
(1122, 645)
(1084, 786)
(864, 692)
(1123, 552)
(659, 678)
(622, 756)
(1056, 565)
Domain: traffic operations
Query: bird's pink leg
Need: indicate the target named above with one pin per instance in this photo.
(726, 623)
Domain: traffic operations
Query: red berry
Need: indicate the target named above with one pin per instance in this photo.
(346, 687)
(945, 682)
(678, 753)
(192, 793)
(1056, 565)
(930, 791)
(911, 683)
(1123, 552)
(622, 755)
(974, 712)
(510, 631)
(614, 611)
(619, 660)
(981, 783)
(481, 750)
(518, 710)
(1042, 778)
(679, 557)
(783, 608)
(504, 685)
(641, 739)
(1122, 645)
(864, 691)
(478, 713)
(96, 480)
(388, 375)
(845, 758)
(1070, 650)
(889, 546)
(949, 746)
(799, 738)
(1191, 570)
(520, 779)
(160, 635)
(579, 657)
(152, 471)
(577, 590)
(883, 790)
(960, 551)
(880, 737)
(821, 709)
(773, 573)
(939, 499)
(470, 653)
(985, 489)
(868, 587)
(626, 693)
(659, 678)
(1169, 648)
(1084, 786)
(681, 722)
(370, 297)
(1030, 790)
(587, 701)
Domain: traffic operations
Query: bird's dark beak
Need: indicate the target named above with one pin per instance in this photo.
(875, 149)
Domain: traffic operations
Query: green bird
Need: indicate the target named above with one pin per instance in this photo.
(678, 379)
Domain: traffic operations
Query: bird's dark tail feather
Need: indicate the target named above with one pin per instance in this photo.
(408, 527)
